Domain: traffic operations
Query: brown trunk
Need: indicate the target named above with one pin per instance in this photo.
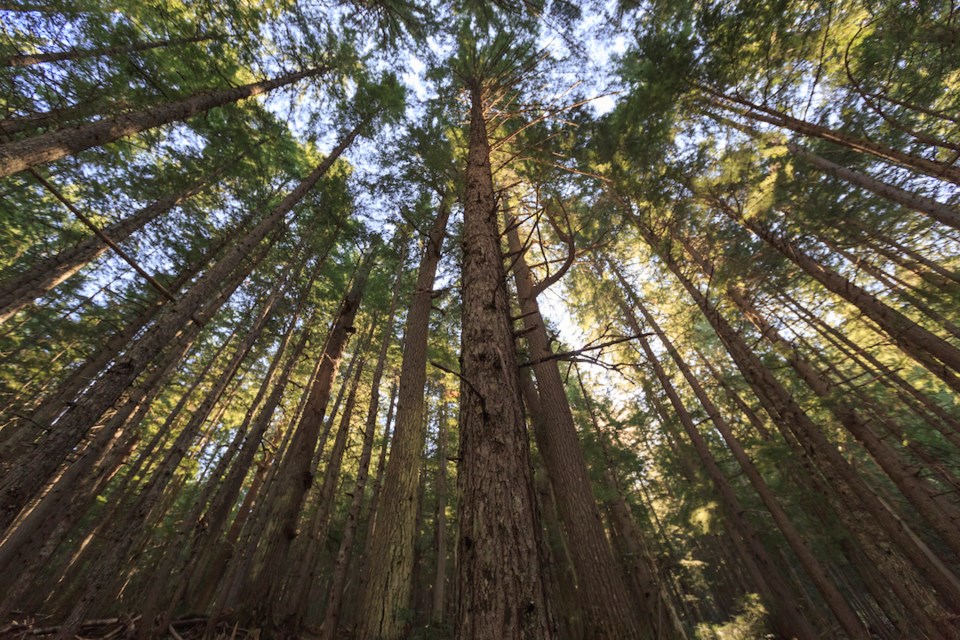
(762, 113)
(639, 563)
(145, 510)
(22, 154)
(501, 581)
(942, 515)
(788, 618)
(331, 621)
(40, 278)
(603, 591)
(386, 595)
(922, 345)
(295, 476)
(440, 521)
(861, 506)
(940, 212)
(26, 60)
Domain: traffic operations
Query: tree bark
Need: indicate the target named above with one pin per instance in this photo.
(40, 278)
(386, 595)
(22, 154)
(99, 397)
(501, 581)
(331, 621)
(603, 591)
(27, 59)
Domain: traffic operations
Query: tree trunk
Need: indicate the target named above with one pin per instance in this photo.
(788, 618)
(99, 397)
(761, 113)
(331, 621)
(386, 595)
(26, 59)
(861, 506)
(295, 476)
(440, 524)
(22, 154)
(942, 213)
(920, 344)
(40, 278)
(851, 624)
(501, 581)
(603, 591)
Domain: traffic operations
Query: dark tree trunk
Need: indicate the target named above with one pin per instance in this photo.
(389, 570)
(501, 577)
(22, 154)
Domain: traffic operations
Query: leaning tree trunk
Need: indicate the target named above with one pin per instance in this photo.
(603, 592)
(294, 475)
(762, 113)
(389, 567)
(29, 59)
(40, 278)
(787, 615)
(933, 352)
(501, 578)
(835, 600)
(331, 620)
(22, 154)
(861, 507)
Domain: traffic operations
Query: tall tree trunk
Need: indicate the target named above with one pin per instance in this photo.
(331, 621)
(760, 113)
(860, 505)
(294, 475)
(920, 344)
(386, 594)
(654, 597)
(603, 591)
(146, 507)
(440, 522)
(942, 515)
(22, 154)
(28, 59)
(940, 212)
(501, 581)
(40, 278)
(788, 618)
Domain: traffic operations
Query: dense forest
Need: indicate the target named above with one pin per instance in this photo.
(383, 319)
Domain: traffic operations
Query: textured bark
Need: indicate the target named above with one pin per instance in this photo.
(40, 278)
(26, 432)
(501, 581)
(294, 475)
(440, 521)
(940, 212)
(331, 621)
(120, 534)
(387, 593)
(603, 591)
(60, 489)
(27, 59)
(787, 615)
(22, 154)
(99, 397)
(935, 507)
